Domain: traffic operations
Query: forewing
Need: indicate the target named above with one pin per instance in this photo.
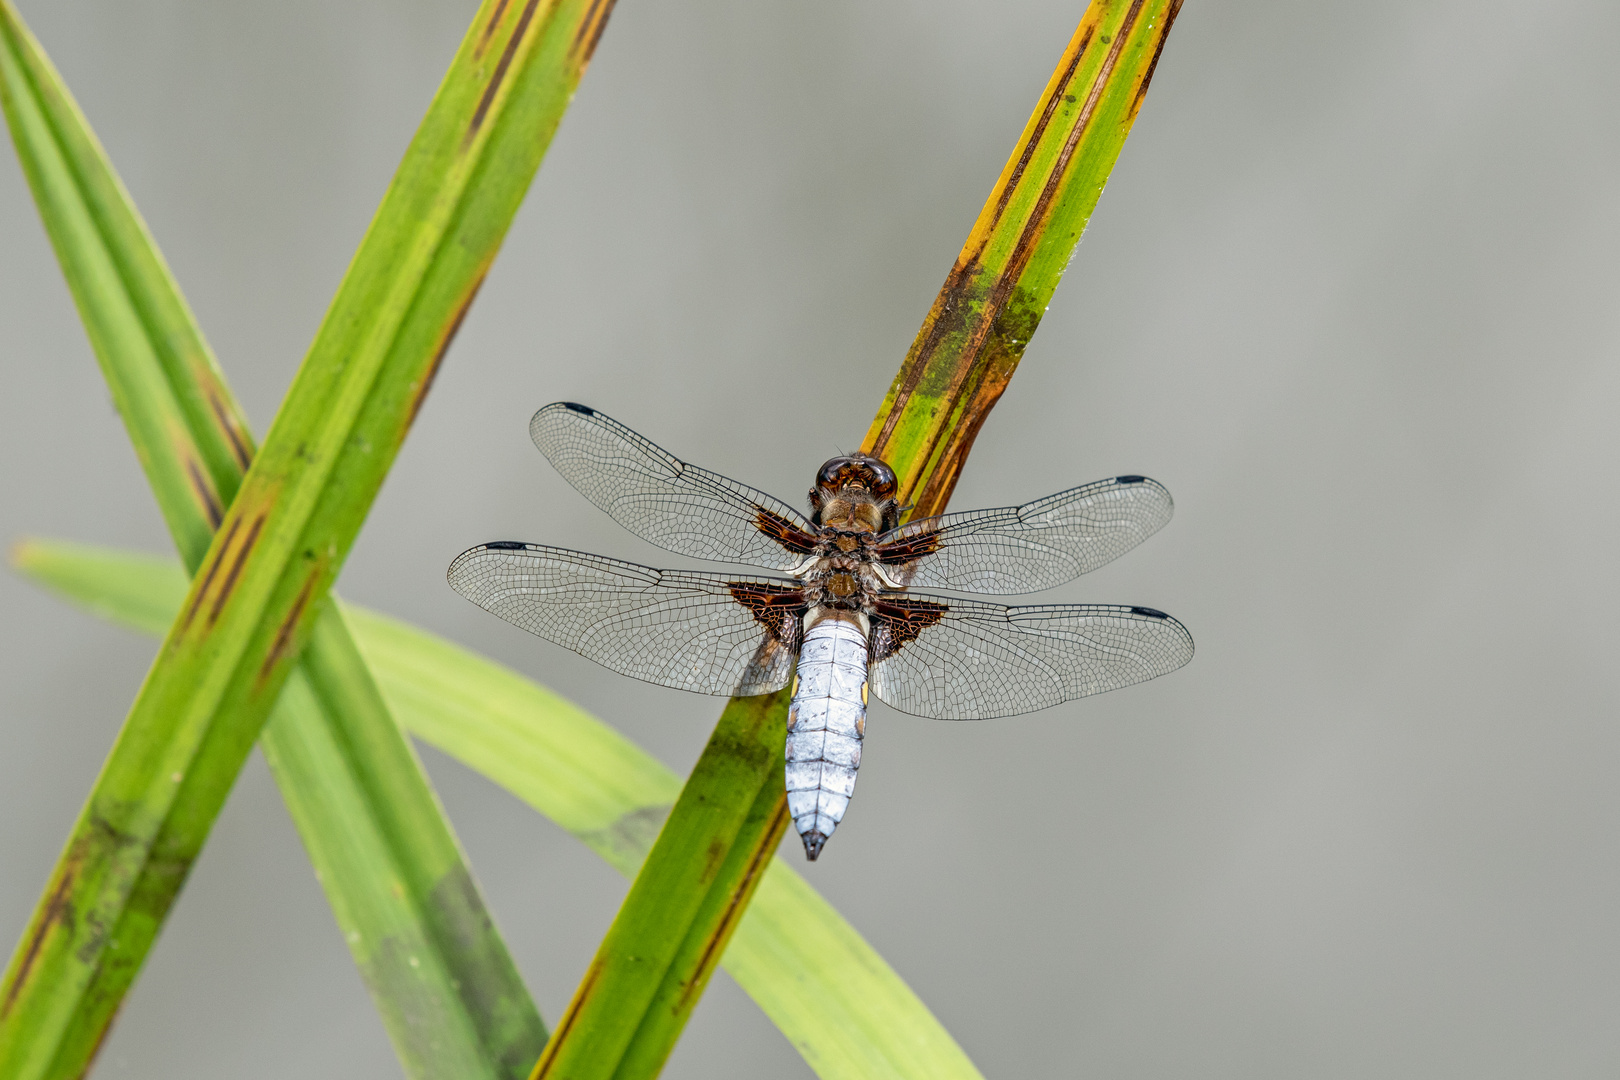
(664, 500)
(1020, 549)
(953, 659)
(689, 631)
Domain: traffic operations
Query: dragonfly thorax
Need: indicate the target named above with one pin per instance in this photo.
(855, 494)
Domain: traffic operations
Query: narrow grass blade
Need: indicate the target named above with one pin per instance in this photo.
(450, 996)
(965, 353)
(996, 293)
(730, 816)
(839, 1003)
(261, 590)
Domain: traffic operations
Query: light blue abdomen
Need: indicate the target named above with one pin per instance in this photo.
(825, 724)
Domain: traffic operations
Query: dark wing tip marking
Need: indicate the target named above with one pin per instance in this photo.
(575, 406)
(1131, 479)
(502, 545)
(1152, 613)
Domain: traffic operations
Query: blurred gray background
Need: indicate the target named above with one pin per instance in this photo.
(1351, 295)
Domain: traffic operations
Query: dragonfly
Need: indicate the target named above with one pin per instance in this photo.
(841, 619)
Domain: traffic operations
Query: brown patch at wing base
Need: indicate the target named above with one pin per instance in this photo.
(896, 621)
(908, 549)
(783, 531)
(775, 607)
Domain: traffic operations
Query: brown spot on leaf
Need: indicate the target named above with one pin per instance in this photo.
(713, 856)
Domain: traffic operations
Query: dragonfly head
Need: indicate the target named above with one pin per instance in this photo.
(857, 493)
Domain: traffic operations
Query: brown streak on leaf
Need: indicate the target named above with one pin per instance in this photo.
(209, 571)
(1164, 35)
(1028, 239)
(289, 626)
(954, 292)
(1058, 91)
(229, 585)
(505, 62)
(205, 493)
(988, 383)
(426, 384)
(596, 35)
(489, 29)
(58, 910)
(233, 433)
(584, 27)
(936, 493)
(101, 1037)
(763, 850)
(587, 986)
(584, 40)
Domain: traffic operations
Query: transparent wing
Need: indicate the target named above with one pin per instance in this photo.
(959, 660)
(1020, 549)
(689, 631)
(664, 500)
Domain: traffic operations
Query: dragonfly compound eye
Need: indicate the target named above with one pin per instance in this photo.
(868, 472)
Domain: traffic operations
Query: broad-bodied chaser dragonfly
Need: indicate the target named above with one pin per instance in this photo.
(844, 616)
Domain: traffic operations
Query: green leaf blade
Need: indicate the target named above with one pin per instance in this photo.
(992, 301)
(963, 356)
(837, 1001)
(260, 593)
